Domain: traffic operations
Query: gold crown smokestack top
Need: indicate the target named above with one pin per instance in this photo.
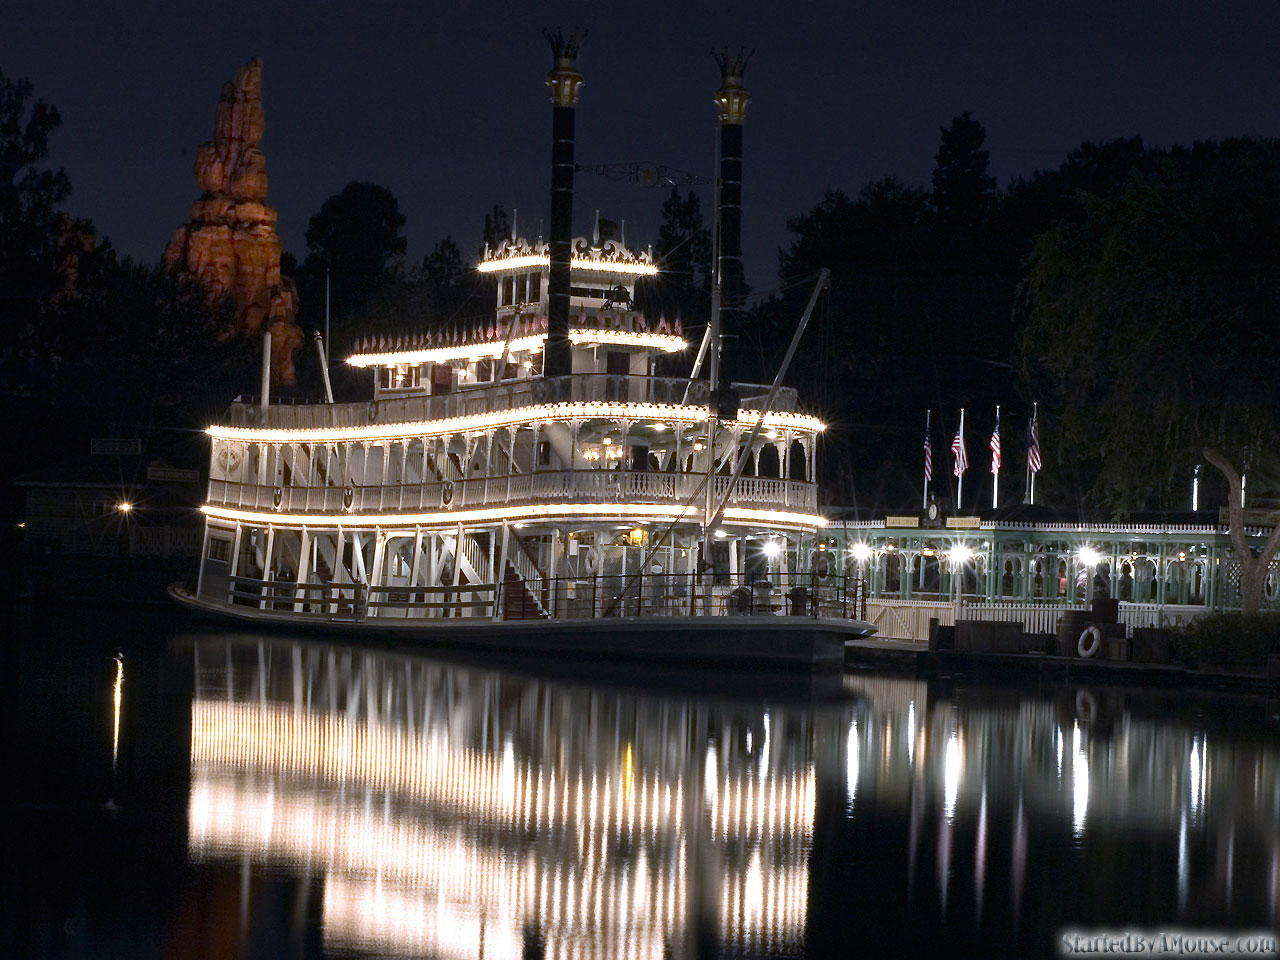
(565, 82)
(731, 102)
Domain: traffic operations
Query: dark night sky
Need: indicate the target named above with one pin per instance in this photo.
(444, 103)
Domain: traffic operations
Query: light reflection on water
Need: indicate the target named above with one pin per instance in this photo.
(461, 812)
(1160, 814)
(464, 812)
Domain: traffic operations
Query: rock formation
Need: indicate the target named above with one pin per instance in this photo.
(231, 243)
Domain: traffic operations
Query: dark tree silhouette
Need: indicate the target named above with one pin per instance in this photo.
(1152, 332)
(356, 236)
(963, 191)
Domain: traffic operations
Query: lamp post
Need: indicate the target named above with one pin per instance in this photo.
(959, 555)
(1089, 558)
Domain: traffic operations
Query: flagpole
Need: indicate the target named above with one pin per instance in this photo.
(1031, 474)
(960, 478)
(924, 504)
(995, 470)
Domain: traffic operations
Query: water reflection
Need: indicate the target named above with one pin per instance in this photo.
(455, 811)
(466, 813)
(1158, 808)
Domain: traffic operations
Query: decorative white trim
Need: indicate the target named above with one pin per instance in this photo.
(530, 344)
(540, 511)
(517, 415)
(609, 257)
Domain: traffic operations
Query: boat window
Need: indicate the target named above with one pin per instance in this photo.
(219, 549)
(441, 378)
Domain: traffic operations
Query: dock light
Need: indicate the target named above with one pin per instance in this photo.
(124, 506)
(772, 549)
(1089, 556)
(861, 551)
(959, 553)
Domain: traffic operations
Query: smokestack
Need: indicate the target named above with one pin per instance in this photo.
(565, 81)
(731, 100)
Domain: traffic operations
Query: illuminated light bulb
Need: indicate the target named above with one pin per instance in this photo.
(860, 550)
(772, 549)
(1089, 556)
(124, 506)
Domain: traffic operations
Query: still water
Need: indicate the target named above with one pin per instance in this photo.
(182, 791)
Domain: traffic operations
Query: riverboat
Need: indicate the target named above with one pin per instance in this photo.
(533, 480)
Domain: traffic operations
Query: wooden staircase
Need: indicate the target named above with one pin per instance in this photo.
(518, 603)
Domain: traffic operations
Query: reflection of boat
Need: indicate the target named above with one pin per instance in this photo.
(461, 813)
(413, 807)
(533, 480)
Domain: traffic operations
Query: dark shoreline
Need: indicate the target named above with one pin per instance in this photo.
(917, 660)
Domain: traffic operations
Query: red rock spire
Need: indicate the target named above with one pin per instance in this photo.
(231, 243)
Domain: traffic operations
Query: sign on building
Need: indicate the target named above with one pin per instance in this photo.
(116, 446)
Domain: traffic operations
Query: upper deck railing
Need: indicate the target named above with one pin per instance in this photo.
(549, 486)
(497, 397)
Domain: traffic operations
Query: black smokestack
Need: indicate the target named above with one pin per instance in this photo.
(731, 100)
(565, 81)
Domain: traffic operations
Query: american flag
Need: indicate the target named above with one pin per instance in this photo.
(928, 460)
(957, 451)
(995, 447)
(1033, 446)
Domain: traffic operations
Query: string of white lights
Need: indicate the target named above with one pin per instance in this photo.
(631, 512)
(518, 415)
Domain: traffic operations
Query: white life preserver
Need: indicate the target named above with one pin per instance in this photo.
(822, 564)
(1086, 649)
(277, 496)
(348, 497)
(446, 493)
(591, 562)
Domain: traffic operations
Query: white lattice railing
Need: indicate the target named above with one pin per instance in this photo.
(909, 619)
(550, 486)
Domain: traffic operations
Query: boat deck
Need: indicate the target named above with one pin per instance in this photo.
(776, 641)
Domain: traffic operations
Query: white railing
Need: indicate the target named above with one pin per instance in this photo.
(909, 619)
(557, 486)
(1189, 529)
(497, 397)
(163, 541)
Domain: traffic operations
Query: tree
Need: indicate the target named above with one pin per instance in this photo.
(497, 227)
(443, 265)
(1153, 327)
(683, 250)
(963, 191)
(32, 227)
(356, 237)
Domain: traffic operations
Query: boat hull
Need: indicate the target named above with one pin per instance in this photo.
(777, 641)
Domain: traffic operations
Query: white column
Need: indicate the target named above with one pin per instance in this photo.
(304, 568)
(500, 574)
(375, 576)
